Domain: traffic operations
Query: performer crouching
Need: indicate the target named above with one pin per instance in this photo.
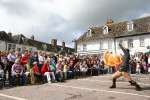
(123, 70)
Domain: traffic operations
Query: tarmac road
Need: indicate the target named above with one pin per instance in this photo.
(91, 88)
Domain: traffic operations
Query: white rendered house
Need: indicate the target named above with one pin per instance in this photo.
(134, 34)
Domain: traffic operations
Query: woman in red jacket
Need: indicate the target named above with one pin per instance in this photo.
(46, 71)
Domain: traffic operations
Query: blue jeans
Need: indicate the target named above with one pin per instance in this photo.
(22, 79)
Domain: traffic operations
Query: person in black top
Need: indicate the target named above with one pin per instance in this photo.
(123, 70)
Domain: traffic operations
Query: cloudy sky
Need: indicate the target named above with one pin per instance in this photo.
(65, 19)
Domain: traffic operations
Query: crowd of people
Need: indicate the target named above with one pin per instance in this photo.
(39, 67)
(141, 64)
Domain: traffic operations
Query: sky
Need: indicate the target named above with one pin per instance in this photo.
(65, 20)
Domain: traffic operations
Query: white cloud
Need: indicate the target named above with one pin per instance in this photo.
(65, 19)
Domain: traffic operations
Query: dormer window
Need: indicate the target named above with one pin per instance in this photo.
(89, 33)
(130, 26)
(105, 29)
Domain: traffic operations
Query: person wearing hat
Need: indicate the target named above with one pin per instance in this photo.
(124, 70)
(36, 75)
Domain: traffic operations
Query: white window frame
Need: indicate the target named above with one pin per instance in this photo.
(12, 46)
(142, 42)
(84, 47)
(130, 43)
(130, 26)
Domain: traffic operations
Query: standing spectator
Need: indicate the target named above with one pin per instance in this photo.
(33, 58)
(138, 68)
(11, 59)
(41, 59)
(133, 66)
(144, 66)
(149, 63)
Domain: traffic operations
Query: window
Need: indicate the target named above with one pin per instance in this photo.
(19, 49)
(142, 42)
(130, 26)
(84, 47)
(130, 43)
(105, 30)
(11, 46)
(89, 33)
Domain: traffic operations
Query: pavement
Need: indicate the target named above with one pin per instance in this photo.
(90, 88)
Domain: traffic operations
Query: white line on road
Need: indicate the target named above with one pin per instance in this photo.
(11, 97)
(99, 90)
(110, 81)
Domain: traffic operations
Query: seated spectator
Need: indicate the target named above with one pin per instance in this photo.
(70, 72)
(1, 77)
(17, 73)
(37, 75)
(95, 68)
(77, 70)
(59, 71)
(46, 71)
(83, 68)
(65, 69)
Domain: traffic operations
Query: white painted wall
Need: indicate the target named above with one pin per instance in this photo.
(96, 47)
(136, 43)
(100, 45)
(2, 45)
(25, 46)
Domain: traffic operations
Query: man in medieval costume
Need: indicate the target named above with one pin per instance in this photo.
(123, 70)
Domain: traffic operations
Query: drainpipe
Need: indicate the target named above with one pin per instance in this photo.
(6, 46)
(115, 44)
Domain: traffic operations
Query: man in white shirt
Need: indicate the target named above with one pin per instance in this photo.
(11, 59)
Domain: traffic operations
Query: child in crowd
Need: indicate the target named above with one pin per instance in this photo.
(138, 68)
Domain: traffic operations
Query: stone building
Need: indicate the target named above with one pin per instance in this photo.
(20, 43)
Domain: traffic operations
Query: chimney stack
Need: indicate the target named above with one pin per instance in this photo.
(54, 42)
(109, 22)
(32, 37)
(10, 35)
(63, 44)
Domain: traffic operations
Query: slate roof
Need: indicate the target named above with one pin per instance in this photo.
(21, 39)
(141, 26)
(4, 36)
